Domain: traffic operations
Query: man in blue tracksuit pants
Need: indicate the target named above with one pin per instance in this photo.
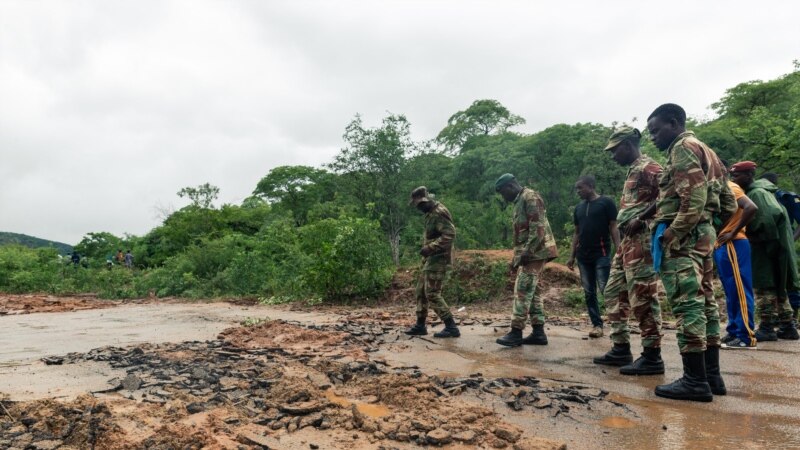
(732, 258)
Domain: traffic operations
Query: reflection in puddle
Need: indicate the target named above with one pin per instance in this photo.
(617, 422)
(369, 410)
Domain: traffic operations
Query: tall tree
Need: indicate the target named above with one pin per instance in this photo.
(202, 196)
(296, 188)
(482, 118)
(372, 166)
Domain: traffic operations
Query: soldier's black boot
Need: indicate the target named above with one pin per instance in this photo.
(650, 363)
(787, 331)
(619, 355)
(450, 330)
(537, 336)
(713, 376)
(766, 332)
(692, 385)
(512, 339)
(419, 329)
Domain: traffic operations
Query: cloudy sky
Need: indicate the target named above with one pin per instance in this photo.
(108, 108)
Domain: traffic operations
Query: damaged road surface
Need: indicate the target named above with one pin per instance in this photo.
(189, 376)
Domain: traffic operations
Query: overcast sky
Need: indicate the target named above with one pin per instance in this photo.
(108, 108)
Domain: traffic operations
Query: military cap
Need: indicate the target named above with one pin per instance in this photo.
(620, 134)
(419, 195)
(503, 180)
(743, 166)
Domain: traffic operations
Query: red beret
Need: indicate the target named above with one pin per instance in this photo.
(743, 166)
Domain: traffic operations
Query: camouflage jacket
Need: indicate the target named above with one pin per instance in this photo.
(640, 189)
(438, 236)
(533, 239)
(693, 187)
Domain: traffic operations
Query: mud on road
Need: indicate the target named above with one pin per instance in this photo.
(190, 376)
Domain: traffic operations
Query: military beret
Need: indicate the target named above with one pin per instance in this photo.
(503, 180)
(743, 166)
(620, 134)
(419, 195)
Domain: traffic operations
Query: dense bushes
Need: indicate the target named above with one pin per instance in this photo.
(328, 259)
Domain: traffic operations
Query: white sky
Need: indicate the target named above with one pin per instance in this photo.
(108, 108)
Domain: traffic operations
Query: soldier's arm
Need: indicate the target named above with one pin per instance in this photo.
(447, 232)
(727, 202)
(690, 185)
(534, 211)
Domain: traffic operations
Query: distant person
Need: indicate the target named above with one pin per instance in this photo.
(633, 284)
(791, 202)
(534, 245)
(732, 257)
(120, 257)
(773, 256)
(76, 258)
(437, 258)
(692, 193)
(109, 261)
(595, 220)
(129, 259)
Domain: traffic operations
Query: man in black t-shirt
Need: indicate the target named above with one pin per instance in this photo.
(595, 220)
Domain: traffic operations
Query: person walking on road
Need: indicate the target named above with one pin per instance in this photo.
(534, 245)
(693, 193)
(437, 258)
(633, 284)
(595, 220)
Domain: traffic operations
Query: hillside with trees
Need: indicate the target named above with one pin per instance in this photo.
(340, 231)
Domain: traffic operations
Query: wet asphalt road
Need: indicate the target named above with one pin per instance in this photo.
(762, 409)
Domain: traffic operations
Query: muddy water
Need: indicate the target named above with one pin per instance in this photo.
(762, 409)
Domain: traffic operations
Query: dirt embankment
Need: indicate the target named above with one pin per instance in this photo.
(35, 303)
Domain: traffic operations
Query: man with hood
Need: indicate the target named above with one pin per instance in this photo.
(773, 258)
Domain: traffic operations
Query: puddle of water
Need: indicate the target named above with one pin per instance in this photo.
(368, 409)
(617, 422)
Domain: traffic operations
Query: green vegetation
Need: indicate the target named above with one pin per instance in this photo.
(7, 238)
(338, 232)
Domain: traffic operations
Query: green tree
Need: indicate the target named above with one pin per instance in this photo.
(296, 188)
(202, 196)
(482, 118)
(371, 168)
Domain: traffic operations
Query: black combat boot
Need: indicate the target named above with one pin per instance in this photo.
(619, 355)
(419, 329)
(713, 376)
(693, 385)
(650, 363)
(512, 339)
(766, 332)
(787, 331)
(450, 330)
(537, 336)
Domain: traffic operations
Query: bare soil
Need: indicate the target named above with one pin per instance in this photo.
(34, 303)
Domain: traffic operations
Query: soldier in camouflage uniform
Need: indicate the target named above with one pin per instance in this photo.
(632, 285)
(534, 245)
(437, 257)
(693, 194)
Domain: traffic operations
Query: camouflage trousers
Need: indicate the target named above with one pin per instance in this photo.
(686, 273)
(772, 309)
(527, 302)
(633, 286)
(429, 292)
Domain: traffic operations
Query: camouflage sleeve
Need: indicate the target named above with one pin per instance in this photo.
(690, 186)
(446, 231)
(536, 234)
(651, 176)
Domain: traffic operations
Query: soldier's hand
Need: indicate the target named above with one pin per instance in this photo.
(571, 263)
(426, 251)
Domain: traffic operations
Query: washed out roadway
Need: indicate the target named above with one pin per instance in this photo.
(762, 409)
